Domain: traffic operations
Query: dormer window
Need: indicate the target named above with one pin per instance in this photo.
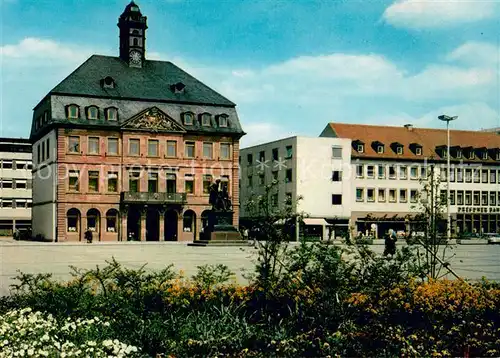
(178, 87)
(484, 153)
(92, 112)
(471, 155)
(498, 154)
(360, 148)
(206, 120)
(188, 118)
(418, 150)
(397, 148)
(380, 149)
(108, 82)
(45, 117)
(458, 153)
(222, 120)
(112, 114)
(73, 111)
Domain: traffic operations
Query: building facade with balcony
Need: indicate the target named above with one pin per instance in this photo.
(370, 179)
(127, 148)
(15, 185)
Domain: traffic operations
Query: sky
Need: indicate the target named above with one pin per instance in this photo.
(290, 66)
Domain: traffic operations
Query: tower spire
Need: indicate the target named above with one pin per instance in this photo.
(132, 25)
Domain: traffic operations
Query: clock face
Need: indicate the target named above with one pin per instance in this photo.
(135, 57)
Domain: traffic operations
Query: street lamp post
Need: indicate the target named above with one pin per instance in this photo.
(448, 119)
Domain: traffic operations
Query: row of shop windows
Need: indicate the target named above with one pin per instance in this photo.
(457, 197)
(153, 148)
(16, 164)
(402, 172)
(16, 203)
(16, 184)
(95, 185)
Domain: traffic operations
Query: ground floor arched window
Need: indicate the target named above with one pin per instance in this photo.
(73, 220)
(112, 220)
(189, 221)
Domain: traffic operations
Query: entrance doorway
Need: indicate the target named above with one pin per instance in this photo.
(171, 225)
(134, 223)
(152, 225)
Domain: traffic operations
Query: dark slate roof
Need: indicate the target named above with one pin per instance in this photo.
(151, 82)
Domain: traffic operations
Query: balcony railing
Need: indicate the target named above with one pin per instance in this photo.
(153, 198)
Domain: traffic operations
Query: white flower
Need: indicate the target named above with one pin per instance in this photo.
(31, 351)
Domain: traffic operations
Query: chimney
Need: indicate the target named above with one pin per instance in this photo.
(409, 127)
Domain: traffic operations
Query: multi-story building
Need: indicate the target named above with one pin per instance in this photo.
(15, 185)
(306, 171)
(126, 146)
(382, 173)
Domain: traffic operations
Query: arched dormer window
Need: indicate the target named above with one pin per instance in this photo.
(112, 114)
(188, 118)
(223, 120)
(72, 111)
(206, 119)
(92, 112)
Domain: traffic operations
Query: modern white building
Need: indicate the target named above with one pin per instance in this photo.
(376, 183)
(15, 185)
(309, 168)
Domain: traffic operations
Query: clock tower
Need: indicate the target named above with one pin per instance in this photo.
(132, 36)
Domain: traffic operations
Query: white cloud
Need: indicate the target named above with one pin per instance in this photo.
(473, 52)
(422, 14)
(43, 50)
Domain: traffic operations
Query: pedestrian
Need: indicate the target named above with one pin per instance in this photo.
(244, 233)
(88, 236)
(390, 243)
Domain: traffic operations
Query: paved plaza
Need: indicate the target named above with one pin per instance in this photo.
(471, 261)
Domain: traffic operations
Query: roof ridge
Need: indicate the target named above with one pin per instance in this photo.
(414, 128)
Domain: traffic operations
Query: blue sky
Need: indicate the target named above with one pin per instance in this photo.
(291, 66)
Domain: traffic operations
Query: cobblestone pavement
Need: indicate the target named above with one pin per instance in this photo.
(471, 261)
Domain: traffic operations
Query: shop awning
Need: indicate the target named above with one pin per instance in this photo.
(311, 221)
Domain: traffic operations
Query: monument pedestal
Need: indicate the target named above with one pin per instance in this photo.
(220, 231)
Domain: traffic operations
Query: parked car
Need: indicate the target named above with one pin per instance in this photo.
(492, 238)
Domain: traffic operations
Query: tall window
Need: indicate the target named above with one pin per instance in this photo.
(289, 151)
(171, 183)
(336, 175)
(484, 198)
(360, 194)
(413, 172)
(225, 151)
(359, 170)
(171, 148)
(452, 197)
(189, 184)
(189, 150)
(381, 171)
(403, 172)
(468, 198)
(249, 159)
(74, 180)
(370, 195)
(205, 120)
(460, 197)
(74, 144)
(493, 176)
(112, 146)
(134, 182)
(93, 181)
(413, 195)
(111, 114)
(392, 195)
(275, 153)
(92, 113)
(493, 198)
(152, 182)
(73, 111)
(477, 176)
(288, 176)
(112, 182)
(134, 145)
(207, 181)
(381, 195)
(484, 175)
(208, 150)
(222, 120)
(153, 148)
(370, 171)
(47, 148)
(402, 195)
(93, 145)
(476, 198)
(468, 175)
(188, 119)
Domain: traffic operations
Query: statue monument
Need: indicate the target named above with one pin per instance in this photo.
(220, 229)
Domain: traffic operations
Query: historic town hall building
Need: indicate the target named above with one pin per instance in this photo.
(128, 147)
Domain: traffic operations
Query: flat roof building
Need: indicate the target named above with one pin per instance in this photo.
(15, 185)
